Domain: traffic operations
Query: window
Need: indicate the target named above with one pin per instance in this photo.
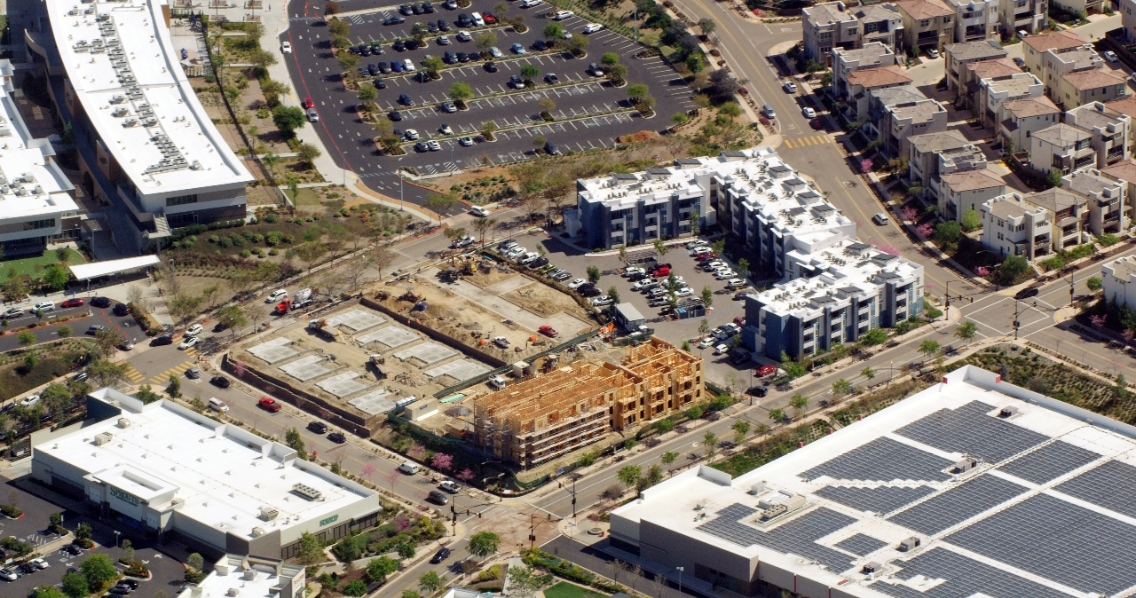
(924, 23)
(38, 224)
(181, 200)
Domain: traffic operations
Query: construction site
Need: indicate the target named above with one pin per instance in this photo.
(549, 419)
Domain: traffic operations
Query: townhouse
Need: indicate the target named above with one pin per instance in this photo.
(1111, 131)
(965, 191)
(1068, 211)
(975, 20)
(960, 54)
(1106, 199)
(1022, 15)
(927, 24)
(972, 74)
(1118, 277)
(1012, 226)
(831, 25)
(932, 155)
(1020, 119)
(1124, 172)
(846, 62)
(861, 83)
(1062, 146)
(896, 113)
(994, 92)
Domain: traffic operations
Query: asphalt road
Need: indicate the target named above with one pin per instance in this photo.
(589, 115)
(79, 326)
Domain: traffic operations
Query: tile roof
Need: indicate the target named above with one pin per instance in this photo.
(1125, 105)
(878, 77)
(980, 50)
(1124, 170)
(1054, 41)
(1062, 134)
(1093, 79)
(972, 180)
(998, 67)
(827, 13)
(1056, 200)
(876, 12)
(1028, 107)
(938, 142)
(925, 9)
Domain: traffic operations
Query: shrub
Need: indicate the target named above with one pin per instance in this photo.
(11, 511)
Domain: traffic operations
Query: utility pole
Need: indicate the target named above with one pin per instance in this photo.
(1071, 286)
(1016, 323)
(573, 491)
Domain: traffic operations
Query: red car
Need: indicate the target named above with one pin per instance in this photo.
(661, 272)
(269, 405)
(816, 123)
(308, 103)
(549, 331)
(72, 303)
(705, 256)
(765, 370)
(489, 18)
(740, 321)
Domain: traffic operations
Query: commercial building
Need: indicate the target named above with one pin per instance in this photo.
(927, 24)
(957, 56)
(1118, 279)
(835, 295)
(1022, 15)
(216, 487)
(830, 25)
(1111, 131)
(1020, 119)
(973, 487)
(965, 191)
(250, 577)
(538, 419)
(1012, 226)
(146, 145)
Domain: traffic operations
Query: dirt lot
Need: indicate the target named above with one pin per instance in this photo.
(543, 300)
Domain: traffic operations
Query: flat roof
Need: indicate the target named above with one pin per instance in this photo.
(126, 72)
(97, 269)
(1010, 494)
(222, 475)
(629, 312)
(249, 576)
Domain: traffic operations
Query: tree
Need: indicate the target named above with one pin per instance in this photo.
(609, 59)
(799, 403)
(27, 338)
(553, 31)
(1121, 388)
(105, 373)
(288, 119)
(617, 73)
(868, 373)
(966, 330)
(707, 296)
(1053, 179)
(460, 92)
(1094, 283)
(174, 387)
(430, 582)
(308, 152)
(440, 204)
(593, 274)
(948, 233)
(368, 93)
(875, 336)
(294, 441)
(841, 387)
(707, 26)
(183, 306)
(629, 474)
(442, 461)
(232, 317)
(971, 220)
(524, 582)
(613, 292)
(1013, 267)
(195, 561)
(483, 544)
(929, 347)
(741, 428)
(75, 585)
(792, 368)
(98, 570)
(529, 72)
(486, 40)
(636, 92)
(310, 549)
(668, 458)
(710, 441)
(47, 592)
(776, 415)
(546, 105)
(378, 569)
(55, 277)
(578, 44)
(355, 588)
(337, 26)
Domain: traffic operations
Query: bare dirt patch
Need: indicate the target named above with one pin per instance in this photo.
(487, 279)
(544, 301)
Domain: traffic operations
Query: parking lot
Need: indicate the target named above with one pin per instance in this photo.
(589, 112)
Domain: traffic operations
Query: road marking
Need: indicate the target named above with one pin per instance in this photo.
(132, 374)
(175, 371)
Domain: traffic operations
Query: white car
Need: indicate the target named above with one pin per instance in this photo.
(880, 218)
(464, 241)
(1111, 56)
(684, 292)
(464, 36)
(409, 64)
(39, 563)
(445, 130)
(14, 312)
(722, 349)
(8, 575)
(411, 134)
(434, 145)
(188, 342)
(562, 14)
(809, 112)
(575, 284)
(194, 330)
(496, 52)
(592, 27)
(479, 211)
(286, 47)
(501, 341)
(29, 400)
(697, 249)
(44, 306)
(516, 251)
(601, 301)
(725, 274)
(790, 87)
(530, 3)
(706, 343)
(465, 141)
(565, 34)
(276, 296)
(629, 271)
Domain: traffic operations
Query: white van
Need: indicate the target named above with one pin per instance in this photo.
(477, 20)
(408, 468)
(218, 405)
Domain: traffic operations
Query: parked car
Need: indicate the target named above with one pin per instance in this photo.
(449, 486)
(602, 300)
(188, 342)
(790, 87)
(592, 27)
(194, 330)
(758, 391)
(100, 302)
(880, 218)
(268, 404)
(765, 370)
(337, 437)
(72, 303)
(193, 373)
(120, 309)
(549, 331)
(165, 339)
(14, 312)
(562, 14)
(220, 381)
(575, 284)
(317, 427)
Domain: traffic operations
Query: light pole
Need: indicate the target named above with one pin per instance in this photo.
(1070, 288)
(116, 535)
(680, 570)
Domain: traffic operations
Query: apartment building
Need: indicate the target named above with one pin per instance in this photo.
(1080, 7)
(1127, 107)
(836, 296)
(628, 209)
(966, 190)
(542, 418)
(1128, 19)
(1022, 15)
(975, 20)
(830, 25)
(897, 113)
(1106, 198)
(1069, 213)
(1071, 70)
(1111, 131)
(1091, 85)
(34, 190)
(1020, 119)
(972, 74)
(1118, 277)
(931, 155)
(1064, 147)
(1124, 172)
(146, 145)
(927, 24)
(957, 56)
(861, 83)
(1012, 226)
(994, 92)
(846, 62)
(1035, 47)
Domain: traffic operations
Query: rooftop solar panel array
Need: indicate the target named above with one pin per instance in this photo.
(797, 536)
(970, 430)
(1112, 486)
(861, 545)
(1057, 540)
(885, 460)
(884, 499)
(955, 505)
(965, 578)
(1049, 462)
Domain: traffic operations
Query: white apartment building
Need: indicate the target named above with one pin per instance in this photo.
(1020, 119)
(1069, 213)
(1118, 278)
(1064, 147)
(830, 25)
(975, 20)
(1022, 15)
(931, 156)
(1107, 200)
(1012, 226)
(996, 91)
(964, 191)
(1111, 131)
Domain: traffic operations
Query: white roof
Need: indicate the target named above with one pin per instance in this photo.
(136, 43)
(97, 269)
(1047, 511)
(252, 577)
(222, 475)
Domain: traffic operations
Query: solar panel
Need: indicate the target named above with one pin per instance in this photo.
(885, 460)
(1112, 486)
(797, 536)
(965, 578)
(955, 505)
(1058, 540)
(1049, 462)
(970, 430)
(883, 499)
(861, 545)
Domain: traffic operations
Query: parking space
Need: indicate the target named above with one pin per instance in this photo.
(588, 112)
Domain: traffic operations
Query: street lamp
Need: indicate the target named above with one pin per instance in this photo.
(680, 570)
(116, 535)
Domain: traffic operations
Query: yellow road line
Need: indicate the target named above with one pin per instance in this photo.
(788, 143)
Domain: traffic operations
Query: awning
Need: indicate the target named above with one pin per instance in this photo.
(98, 269)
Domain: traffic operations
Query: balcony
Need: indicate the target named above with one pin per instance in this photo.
(1072, 231)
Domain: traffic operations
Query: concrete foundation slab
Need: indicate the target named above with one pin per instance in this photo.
(376, 401)
(343, 384)
(427, 353)
(390, 337)
(275, 350)
(356, 320)
(459, 370)
(306, 368)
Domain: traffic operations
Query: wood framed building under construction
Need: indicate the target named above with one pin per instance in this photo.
(547, 416)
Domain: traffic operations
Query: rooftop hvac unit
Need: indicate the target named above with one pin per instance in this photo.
(20, 191)
(120, 112)
(233, 592)
(117, 99)
(130, 122)
(872, 567)
(307, 491)
(103, 438)
(269, 512)
(123, 423)
(909, 544)
(257, 532)
(1008, 411)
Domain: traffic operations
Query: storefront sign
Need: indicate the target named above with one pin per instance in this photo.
(123, 496)
(329, 520)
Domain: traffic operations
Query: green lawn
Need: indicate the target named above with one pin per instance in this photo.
(567, 590)
(27, 265)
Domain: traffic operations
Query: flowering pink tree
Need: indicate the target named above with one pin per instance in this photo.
(368, 471)
(392, 478)
(866, 165)
(442, 461)
(925, 230)
(909, 213)
(402, 523)
(982, 271)
(239, 369)
(1098, 321)
(465, 475)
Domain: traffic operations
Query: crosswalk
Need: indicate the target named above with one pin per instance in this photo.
(133, 375)
(807, 141)
(175, 371)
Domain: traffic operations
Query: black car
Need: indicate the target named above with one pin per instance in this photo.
(450, 5)
(411, 44)
(318, 427)
(421, 147)
(380, 84)
(121, 590)
(427, 8)
(758, 391)
(422, 77)
(539, 262)
(399, 45)
(432, 26)
(540, 46)
(337, 437)
(443, 25)
(464, 20)
(417, 8)
(377, 49)
(162, 340)
(100, 302)
(405, 100)
(219, 381)
(395, 115)
(491, 67)
(405, 9)
(449, 57)
(384, 67)
(72, 549)
(593, 292)
(30, 568)
(130, 583)
(394, 20)
(373, 69)
(440, 556)
(1027, 293)
(636, 277)
(120, 309)
(587, 286)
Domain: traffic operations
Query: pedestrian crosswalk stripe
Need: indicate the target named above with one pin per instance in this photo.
(175, 371)
(132, 374)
